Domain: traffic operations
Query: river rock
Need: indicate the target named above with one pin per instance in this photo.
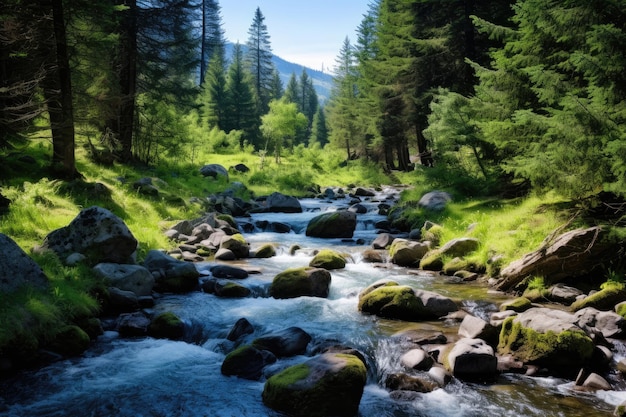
(561, 293)
(390, 300)
(133, 324)
(281, 203)
(473, 327)
(471, 359)
(373, 256)
(247, 362)
(572, 254)
(267, 250)
(610, 324)
(546, 338)
(214, 171)
(399, 381)
(135, 278)
(237, 245)
(228, 271)
(358, 208)
(339, 224)
(122, 300)
(96, 233)
(229, 289)
(460, 247)
(605, 299)
(241, 328)
(17, 269)
(435, 200)
(225, 255)
(171, 275)
(383, 241)
(404, 252)
(284, 343)
(326, 385)
(328, 259)
(417, 359)
(70, 341)
(167, 326)
(297, 282)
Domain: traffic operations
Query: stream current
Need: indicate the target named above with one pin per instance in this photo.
(145, 377)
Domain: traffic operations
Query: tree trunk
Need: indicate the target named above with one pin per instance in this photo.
(203, 48)
(424, 153)
(58, 94)
(123, 124)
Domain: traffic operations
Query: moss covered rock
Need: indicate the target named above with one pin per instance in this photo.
(246, 362)
(407, 253)
(327, 385)
(547, 338)
(518, 305)
(167, 326)
(328, 259)
(297, 282)
(70, 341)
(265, 251)
(605, 299)
(401, 302)
(237, 244)
(432, 261)
(231, 289)
(339, 224)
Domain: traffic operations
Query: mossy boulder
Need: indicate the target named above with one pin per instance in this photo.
(605, 299)
(246, 362)
(297, 282)
(404, 252)
(547, 338)
(455, 265)
(401, 302)
(231, 289)
(432, 261)
(70, 341)
(237, 244)
(339, 224)
(460, 247)
(327, 385)
(328, 259)
(518, 305)
(167, 326)
(265, 251)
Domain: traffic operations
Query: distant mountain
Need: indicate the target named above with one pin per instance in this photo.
(322, 81)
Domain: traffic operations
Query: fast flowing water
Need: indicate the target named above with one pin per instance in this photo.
(153, 378)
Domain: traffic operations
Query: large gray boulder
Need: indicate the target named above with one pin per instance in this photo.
(405, 252)
(327, 385)
(298, 282)
(281, 203)
(435, 200)
(97, 234)
(572, 254)
(339, 224)
(390, 300)
(171, 275)
(214, 171)
(126, 277)
(17, 269)
(548, 338)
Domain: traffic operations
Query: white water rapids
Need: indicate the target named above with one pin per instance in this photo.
(145, 377)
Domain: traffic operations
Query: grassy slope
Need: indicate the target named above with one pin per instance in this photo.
(41, 205)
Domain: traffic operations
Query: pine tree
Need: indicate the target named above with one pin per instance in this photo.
(212, 41)
(554, 101)
(213, 99)
(292, 91)
(241, 111)
(319, 131)
(259, 61)
(342, 103)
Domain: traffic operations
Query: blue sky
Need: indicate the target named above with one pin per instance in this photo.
(308, 33)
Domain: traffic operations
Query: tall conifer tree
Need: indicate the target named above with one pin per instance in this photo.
(259, 60)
